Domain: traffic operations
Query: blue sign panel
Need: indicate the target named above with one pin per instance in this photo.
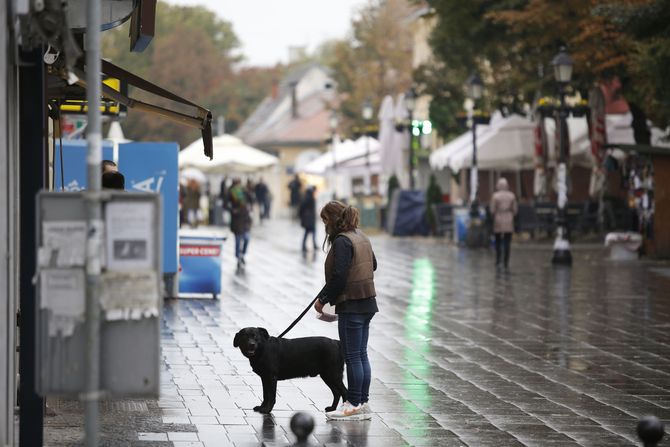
(153, 167)
(200, 264)
(74, 164)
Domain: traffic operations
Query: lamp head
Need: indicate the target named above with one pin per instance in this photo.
(367, 110)
(333, 121)
(410, 99)
(475, 86)
(562, 63)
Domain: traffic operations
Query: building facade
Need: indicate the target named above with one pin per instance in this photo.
(292, 123)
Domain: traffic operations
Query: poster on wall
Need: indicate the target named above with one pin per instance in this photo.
(130, 236)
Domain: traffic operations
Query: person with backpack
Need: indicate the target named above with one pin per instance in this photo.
(240, 219)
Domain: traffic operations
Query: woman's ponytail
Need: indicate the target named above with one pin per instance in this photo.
(340, 218)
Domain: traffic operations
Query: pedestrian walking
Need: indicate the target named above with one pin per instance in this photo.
(350, 287)
(240, 219)
(191, 203)
(262, 198)
(250, 189)
(223, 189)
(308, 218)
(294, 187)
(503, 208)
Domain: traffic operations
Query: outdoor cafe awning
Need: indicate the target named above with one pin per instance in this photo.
(345, 151)
(185, 112)
(232, 155)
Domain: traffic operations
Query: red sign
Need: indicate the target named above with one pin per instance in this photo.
(199, 250)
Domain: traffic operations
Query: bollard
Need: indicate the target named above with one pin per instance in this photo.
(302, 425)
(650, 430)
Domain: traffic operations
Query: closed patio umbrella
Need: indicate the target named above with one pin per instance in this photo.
(386, 135)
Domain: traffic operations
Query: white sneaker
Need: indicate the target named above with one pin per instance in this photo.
(348, 412)
(365, 408)
(328, 413)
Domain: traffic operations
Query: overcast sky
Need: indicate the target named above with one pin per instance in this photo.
(266, 28)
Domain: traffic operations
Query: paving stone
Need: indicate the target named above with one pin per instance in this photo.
(461, 354)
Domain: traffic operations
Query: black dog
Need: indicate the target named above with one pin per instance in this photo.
(275, 359)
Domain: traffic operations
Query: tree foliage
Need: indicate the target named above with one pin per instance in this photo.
(647, 25)
(194, 54)
(512, 42)
(375, 60)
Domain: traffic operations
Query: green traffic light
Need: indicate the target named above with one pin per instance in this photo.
(426, 127)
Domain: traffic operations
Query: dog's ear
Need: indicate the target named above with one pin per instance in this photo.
(263, 332)
(236, 340)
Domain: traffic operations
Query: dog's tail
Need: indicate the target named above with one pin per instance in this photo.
(340, 355)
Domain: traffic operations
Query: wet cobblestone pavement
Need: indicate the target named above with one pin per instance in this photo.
(462, 355)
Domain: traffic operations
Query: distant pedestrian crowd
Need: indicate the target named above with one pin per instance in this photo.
(235, 204)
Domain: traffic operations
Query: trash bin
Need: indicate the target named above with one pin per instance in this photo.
(200, 264)
(623, 246)
(461, 223)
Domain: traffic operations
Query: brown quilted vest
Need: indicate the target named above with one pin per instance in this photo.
(360, 283)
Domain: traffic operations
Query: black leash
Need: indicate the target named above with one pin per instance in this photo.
(299, 318)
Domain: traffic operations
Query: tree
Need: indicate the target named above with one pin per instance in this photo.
(194, 54)
(648, 61)
(512, 42)
(375, 60)
(465, 40)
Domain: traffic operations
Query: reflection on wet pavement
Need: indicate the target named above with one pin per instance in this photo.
(461, 354)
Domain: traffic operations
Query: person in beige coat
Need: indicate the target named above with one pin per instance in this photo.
(503, 208)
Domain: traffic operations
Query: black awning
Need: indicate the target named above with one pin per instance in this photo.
(197, 116)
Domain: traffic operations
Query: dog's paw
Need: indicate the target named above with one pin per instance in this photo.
(263, 410)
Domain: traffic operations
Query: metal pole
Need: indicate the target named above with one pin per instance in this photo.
(474, 180)
(334, 166)
(411, 151)
(368, 183)
(562, 253)
(94, 240)
(32, 124)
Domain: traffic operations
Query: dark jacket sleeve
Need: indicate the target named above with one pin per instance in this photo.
(343, 254)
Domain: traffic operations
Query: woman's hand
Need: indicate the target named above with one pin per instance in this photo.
(318, 306)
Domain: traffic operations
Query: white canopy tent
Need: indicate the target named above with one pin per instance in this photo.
(230, 155)
(508, 143)
(362, 166)
(344, 151)
(455, 154)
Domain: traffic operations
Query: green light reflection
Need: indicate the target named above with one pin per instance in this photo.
(418, 329)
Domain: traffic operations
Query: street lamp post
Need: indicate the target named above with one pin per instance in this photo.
(410, 104)
(562, 63)
(367, 113)
(475, 89)
(333, 123)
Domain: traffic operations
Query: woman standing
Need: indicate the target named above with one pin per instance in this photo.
(308, 218)
(350, 287)
(503, 209)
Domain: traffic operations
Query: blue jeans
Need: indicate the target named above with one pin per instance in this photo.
(354, 330)
(241, 243)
